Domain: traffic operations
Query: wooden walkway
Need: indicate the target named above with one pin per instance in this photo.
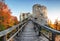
(29, 34)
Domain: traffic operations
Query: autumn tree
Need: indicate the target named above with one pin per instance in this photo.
(13, 21)
(57, 24)
(5, 17)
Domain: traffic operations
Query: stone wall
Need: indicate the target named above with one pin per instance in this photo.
(40, 12)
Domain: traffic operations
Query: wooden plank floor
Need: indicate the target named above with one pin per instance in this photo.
(29, 34)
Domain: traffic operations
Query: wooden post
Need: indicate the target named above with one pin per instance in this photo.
(50, 36)
(53, 36)
(4, 38)
(39, 28)
(17, 30)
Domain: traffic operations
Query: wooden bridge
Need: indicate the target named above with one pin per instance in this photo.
(29, 30)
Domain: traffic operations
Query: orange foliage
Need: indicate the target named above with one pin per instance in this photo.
(13, 21)
(56, 25)
(5, 16)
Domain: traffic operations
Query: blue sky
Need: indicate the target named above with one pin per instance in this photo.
(19, 6)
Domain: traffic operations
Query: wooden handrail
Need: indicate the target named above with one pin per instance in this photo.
(49, 28)
(53, 31)
(16, 32)
(2, 33)
(18, 27)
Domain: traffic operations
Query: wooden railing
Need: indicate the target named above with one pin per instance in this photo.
(9, 34)
(47, 31)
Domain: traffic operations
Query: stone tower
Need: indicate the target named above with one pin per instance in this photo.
(40, 12)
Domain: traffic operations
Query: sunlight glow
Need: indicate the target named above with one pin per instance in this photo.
(53, 14)
(59, 18)
(53, 18)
